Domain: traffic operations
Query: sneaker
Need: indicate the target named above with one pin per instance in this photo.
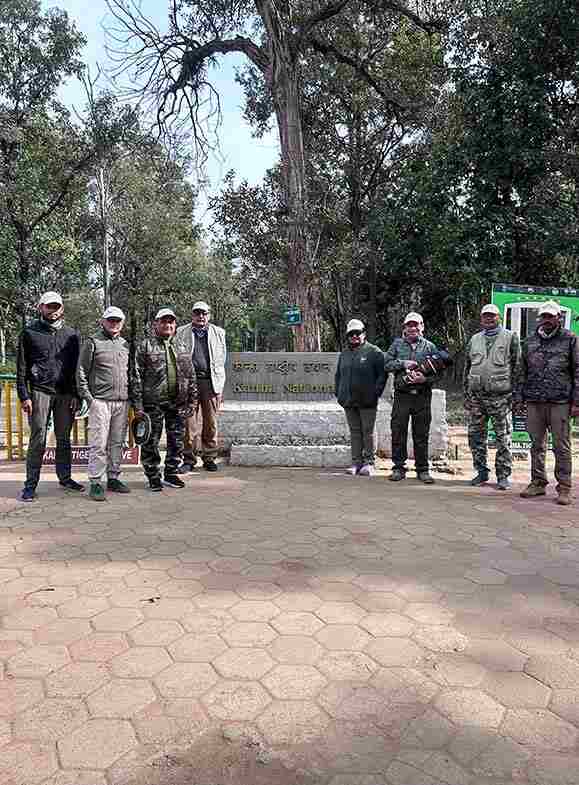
(71, 485)
(210, 466)
(479, 479)
(504, 484)
(532, 490)
(28, 495)
(97, 492)
(564, 497)
(397, 475)
(425, 477)
(353, 469)
(185, 468)
(117, 486)
(174, 481)
(155, 484)
(367, 470)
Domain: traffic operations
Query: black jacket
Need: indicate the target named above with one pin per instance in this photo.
(360, 377)
(549, 369)
(46, 360)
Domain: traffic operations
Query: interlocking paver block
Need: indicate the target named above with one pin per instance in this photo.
(554, 671)
(77, 680)
(243, 663)
(440, 639)
(536, 641)
(249, 634)
(83, 607)
(197, 648)
(430, 730)
(470, 707)
(404, 685)
(97, 744)
(296, 650)
(186, 679)
(340, 613)
(117, 620)
(456, 670)
(216, 599)
(347, 665)
(258, 590)
(298, 601)
(160, 632)
(428, 613)
(503, 759)
(37, 661)
(292, 722)
(395, 652)
(236, 700)
(29, 618)
(64, 631)
(27, 762)
(495, 655)
(388, 624)
(565, 703)
(302, 623)
(343, 637)
(51, 719)
(516, 690)
(248, 610)
(18, 694)
(98, 647)
(539, 729)
(554, 770)
(121, 698)
(140, 662)
(294, 682)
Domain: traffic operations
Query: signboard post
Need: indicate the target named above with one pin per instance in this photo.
(518, 306)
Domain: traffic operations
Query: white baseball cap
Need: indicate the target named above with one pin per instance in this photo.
(490, 308)
(550, 307)
(50, 297)
(413, 317)
(165, 312)
(355, 324)
(112, 312)
(201, 306)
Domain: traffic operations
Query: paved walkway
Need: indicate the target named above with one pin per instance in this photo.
(357, 631)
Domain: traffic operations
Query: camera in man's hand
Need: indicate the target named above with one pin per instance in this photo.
(429, 367)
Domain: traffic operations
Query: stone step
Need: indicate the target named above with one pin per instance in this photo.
(320, 456)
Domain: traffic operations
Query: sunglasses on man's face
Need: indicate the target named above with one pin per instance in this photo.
(355, 333)
(200, 313)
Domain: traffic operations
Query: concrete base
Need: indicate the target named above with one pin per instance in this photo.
(320, 456)
(303, 424)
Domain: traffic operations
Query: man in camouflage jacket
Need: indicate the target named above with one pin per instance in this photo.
(165, 388)
(549, 384)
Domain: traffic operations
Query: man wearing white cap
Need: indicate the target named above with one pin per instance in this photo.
(205, 342)
(164, 388)
(45, 379)
(412, 398)
(549, 384)
(359, 383)
(490, 372)
(103, 382)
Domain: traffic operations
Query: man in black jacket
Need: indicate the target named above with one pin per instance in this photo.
(45, 369)
(360, 381)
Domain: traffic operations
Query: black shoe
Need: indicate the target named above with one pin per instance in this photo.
(479, 479)
(174, 481)
(117, 486)
(210, 466)
(71, 485)
(425, 477)
(185, 468)
(28, 495)
(397, 475)
(155, 484)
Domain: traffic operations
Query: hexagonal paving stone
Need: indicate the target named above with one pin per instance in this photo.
(63, 631)
(555, 769)
(169, 608)
(302, 623)
(487, 575)
(441, 639)
(565, 703)
(391, 652)
(296, 650)
(236, 700)
(404, 686)
(37, 661)
(388, 624)
(255, 610)
(470, 707)
(216, 599)
(380, 601)
(27, 762)
(97, 744)
(197, 648)
(555, 671)
(292, 722)
(117, 620)
(249, 634)
(83, 608)
(77, 680)
(18, 694)
(121, 698)
(535, 641)
(243, 663)
(258, 590)
(141, 662)
(186, 680)
(28, 618)
(51, 720)
(344, 637)
(159, 632)
(456, 670)
(495, 655)
(428, 613)
(428, 731)
(347, 665)
(516, 690)
(502, 759)
(294, 682)
(98, 647)
(229, 564)
(207, 621)
(539, 729)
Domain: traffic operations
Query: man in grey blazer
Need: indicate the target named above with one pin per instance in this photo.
(206, 342)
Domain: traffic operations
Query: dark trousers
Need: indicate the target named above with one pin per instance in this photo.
(361, 423)
(407, 406)
(168, 416)
(554, 417)
(43, 404)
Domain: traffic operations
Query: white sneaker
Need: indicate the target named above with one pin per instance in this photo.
(367, 470)
(353, 470)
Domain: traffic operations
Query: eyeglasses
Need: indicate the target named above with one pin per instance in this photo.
(355, 333)
(197, 312)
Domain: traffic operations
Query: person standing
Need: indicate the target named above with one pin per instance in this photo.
(490, 371)
(103, 382)
(205, 342)
(164, 388)
(359, 382)
(548, 383)
(45, 381)
(412, 398)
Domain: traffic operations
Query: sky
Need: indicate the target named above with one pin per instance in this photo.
(238, 150)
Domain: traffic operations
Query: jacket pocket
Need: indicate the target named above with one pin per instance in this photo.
(500, 383)
(474, 382)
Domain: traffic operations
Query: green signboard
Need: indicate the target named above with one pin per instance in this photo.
(293, 316)
(518, 306)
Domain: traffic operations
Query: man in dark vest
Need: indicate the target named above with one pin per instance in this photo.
(492, 359)
(45, 372)
(549, 384)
